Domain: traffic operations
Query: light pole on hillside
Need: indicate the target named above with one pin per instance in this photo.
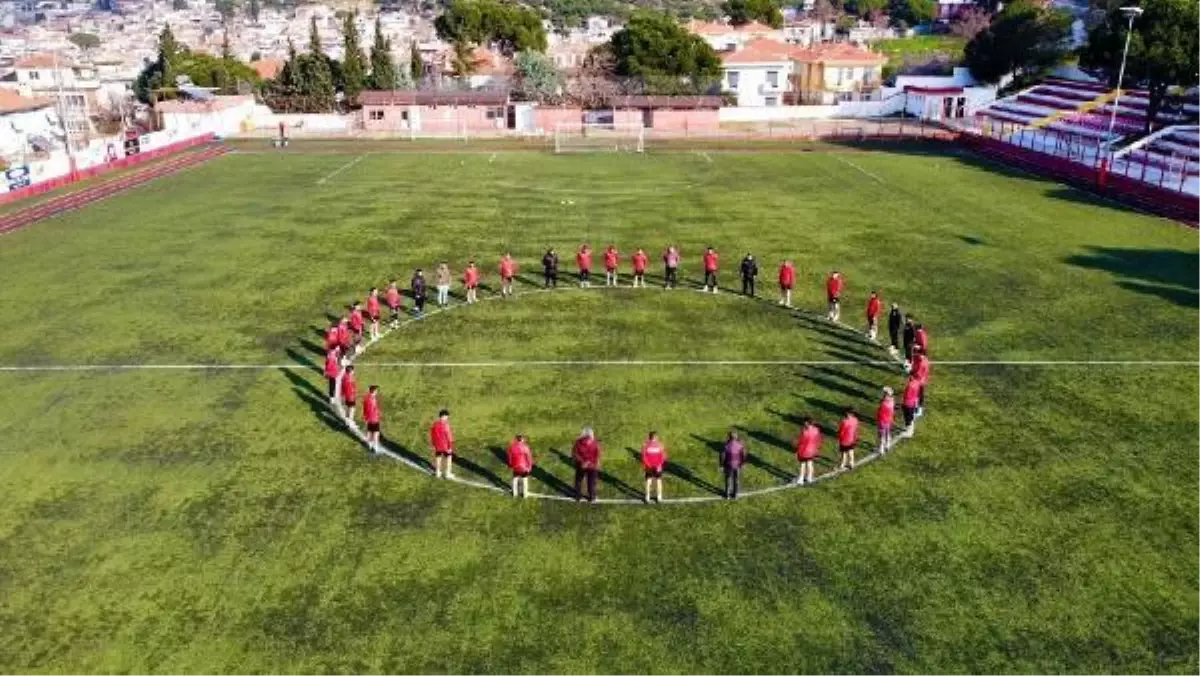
(1132, 13)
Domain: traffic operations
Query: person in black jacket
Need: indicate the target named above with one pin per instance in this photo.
(895, 321)
(749, 272)
(419, 291)
(910, 337)
(550, 269)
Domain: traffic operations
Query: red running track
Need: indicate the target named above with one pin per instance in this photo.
(59, 205)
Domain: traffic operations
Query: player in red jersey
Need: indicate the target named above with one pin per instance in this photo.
(912, 399)
(441, 437)
(873, 307)
(654, 459)
(808, 447)
(847, 439)
(921, 338)
(333, 373)
(508, 270)
(920, 371)
(345, 336)
(520, 461)
(332, 337)
(471, 281)
(349, 395)
(373, 417)
(373, 312)
(583, 260)
(394, 302)
(787, 281)
(640, 261)
(611, 260)
(586, 454)
(884, 416)
(712, 261)
(833, 290)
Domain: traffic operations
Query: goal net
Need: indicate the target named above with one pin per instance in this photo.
(624, 137)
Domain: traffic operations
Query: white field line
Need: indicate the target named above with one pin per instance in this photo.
(706, 156)
(845, 161)
(342, 168)
(596, 363)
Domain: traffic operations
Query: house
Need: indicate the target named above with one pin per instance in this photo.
(268, 68)
(725, 37)
(489, 69)
(459, 113)
(771, 73)
(27, 124)
(75, 88)
(838, 71)
(759, 73)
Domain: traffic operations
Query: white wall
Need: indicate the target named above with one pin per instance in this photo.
(763, 114)
(16, 128)
(753, 88)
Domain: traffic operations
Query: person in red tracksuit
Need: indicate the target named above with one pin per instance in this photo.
(332, 338)
(333, 372)
(345, 336)
(884, 416)
(611, 260)
(640, 261)
(471, 281)
(373, 312)
(357, 324)
(711, 263)
(441, 437)
(654, 459)
(873, 307)
(787, 281)
(373, 417)
(583, 260)
(920, 371)
(349, 395)
(808, 447)
(921, 339)
(394, 302)
(912, 399)
(847, 439)
(508, 270)
(586, 454)
(520, 461)
(833, 290)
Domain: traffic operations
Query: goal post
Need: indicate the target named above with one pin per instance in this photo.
(612, 137)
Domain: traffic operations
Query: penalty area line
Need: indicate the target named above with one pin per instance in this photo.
(845, 161)
(342, 168)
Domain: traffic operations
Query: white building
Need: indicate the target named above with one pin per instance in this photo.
(759, 73)
(725, 37)
(26, 126)
(75, 88)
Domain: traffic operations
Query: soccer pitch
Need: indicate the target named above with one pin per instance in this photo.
(1043, 519)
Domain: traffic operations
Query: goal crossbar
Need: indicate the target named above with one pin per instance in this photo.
(599, 137)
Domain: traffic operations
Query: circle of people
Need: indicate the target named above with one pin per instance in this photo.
(359, 325)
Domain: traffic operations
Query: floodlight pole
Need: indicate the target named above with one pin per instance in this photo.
(1132, 13)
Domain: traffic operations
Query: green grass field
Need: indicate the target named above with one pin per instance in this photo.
(1043, 519)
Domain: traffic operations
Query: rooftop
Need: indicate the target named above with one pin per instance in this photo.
(12, 102)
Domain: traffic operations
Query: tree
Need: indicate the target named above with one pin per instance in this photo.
(84, 41)
(912, 12)
(252, 10)
(161, 72)
(864, 9)
(354, 67)
(970, 22)
(509, 28)
(383, 68)
(1162, 49)
(665, 56)
(226, 50)
(1024, 39)
(314, 37)
(416, 65)
(537, 77)
(225, 8)
(741, 12)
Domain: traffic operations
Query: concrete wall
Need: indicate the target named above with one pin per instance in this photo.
(547, 119)
(686, 120)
